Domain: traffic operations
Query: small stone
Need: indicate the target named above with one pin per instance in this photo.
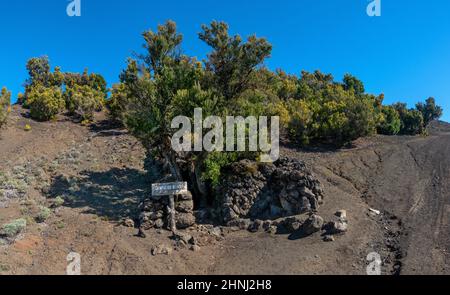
(182, 237)
(128, 222)
(337, 227)
(267, 224)
(244, 224)
(376, 212)
(255, 226)
(159, 223)
(342, 214)
(272, 230)
(216, 232)
(328, 238)
(195, 248)
(161, 250)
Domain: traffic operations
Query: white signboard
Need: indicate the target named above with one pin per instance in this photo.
(168, 189)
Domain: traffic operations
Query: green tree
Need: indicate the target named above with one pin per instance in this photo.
(39, 71)
(163, 83)
(430, 111)
(412, 122)
(353, 83)
(390, 123)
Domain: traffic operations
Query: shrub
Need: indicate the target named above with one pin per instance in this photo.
(27, 127)
(5, 105)
(43, 215)
(45, 103)
(412, 122)
(14, 228)
(118, 102)
(58, 202)
(390, 123)
(430, 111)
(83, 101)
(300, 124)
(328, 113)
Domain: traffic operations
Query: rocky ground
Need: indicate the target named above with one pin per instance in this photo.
(70, 188)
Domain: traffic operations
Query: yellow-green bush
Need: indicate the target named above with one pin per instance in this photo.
(390, 123)
(5, 105)
(45, 102)
(83, 101)
(118, 102)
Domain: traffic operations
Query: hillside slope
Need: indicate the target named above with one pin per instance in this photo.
(99, 170)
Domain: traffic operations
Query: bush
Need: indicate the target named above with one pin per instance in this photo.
(58, 202)
(118, 102)
(83, 101)
(45, 103)
(412, 122)
(328, 113)
(43, 215)
(390, 123)
(5, 105)
(300, 124)
(430, 111)
(14, 228)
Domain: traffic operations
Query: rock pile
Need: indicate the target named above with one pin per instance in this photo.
(155, 212)
(269, 191)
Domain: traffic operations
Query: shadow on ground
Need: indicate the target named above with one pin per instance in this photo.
(114, 194)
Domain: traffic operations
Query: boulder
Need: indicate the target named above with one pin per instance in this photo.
(342, 214)
(184, 220)
(337, 227)
(312, 225)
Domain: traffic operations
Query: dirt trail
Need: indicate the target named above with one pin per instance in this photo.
(100, 171)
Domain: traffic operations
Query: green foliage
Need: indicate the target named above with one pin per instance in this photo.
(83, 93)
(330, 112)
(94, 81)
(5, 105)
(43, 215)
(430, 111)
(14, 228)
(45, 102)
(352, 83)
(214, 164)
(39, 71)
(59, 201)
(118, 103)
(232, 61)
(83, 101)
(412, 122)
(390, 123)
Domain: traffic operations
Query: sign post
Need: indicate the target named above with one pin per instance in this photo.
(171, 190)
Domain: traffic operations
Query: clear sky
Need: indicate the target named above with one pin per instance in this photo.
(404, 54)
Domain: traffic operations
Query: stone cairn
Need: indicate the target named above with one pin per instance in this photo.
(155, 214)
(257, 191)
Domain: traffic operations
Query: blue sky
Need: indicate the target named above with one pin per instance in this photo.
(404, 54)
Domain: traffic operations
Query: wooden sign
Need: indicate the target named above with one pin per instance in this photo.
(168, 189)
